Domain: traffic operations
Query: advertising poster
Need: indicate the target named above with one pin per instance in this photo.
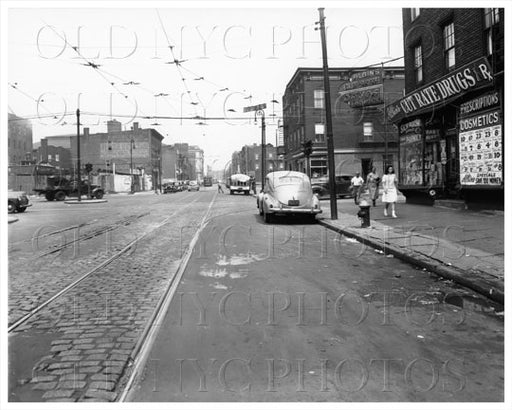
(480, 142)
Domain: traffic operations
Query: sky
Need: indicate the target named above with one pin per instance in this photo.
(227, 57)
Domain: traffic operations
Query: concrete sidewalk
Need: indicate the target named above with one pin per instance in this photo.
(464, 246)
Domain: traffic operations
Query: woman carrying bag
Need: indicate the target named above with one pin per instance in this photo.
(390, 190)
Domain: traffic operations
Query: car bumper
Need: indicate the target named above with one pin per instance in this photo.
(288, 211)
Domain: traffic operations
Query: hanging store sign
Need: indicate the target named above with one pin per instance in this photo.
(363, 97)
(480, 141)
(447, 88)
(362, 79)
(364, 88)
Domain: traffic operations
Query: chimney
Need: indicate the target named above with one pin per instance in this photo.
(135, 126)
(86, 132)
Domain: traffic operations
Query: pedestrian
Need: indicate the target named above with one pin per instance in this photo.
(355, 185)
(219, 187)
(390, 190)
(373, 181)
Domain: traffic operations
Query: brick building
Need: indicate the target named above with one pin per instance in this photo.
(183, 162)
(451, 118)
(248, 161)
(19, 140)
(362, 137)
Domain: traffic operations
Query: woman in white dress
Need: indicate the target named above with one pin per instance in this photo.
(390, 191)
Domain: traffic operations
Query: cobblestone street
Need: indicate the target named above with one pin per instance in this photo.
(91, 331)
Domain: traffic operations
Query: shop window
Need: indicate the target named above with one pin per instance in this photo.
(491, 18)
(318, 98)
(319, 132)
(411, 155)
(415, 12)
(368, 131)
(449, 46)
(418, 64)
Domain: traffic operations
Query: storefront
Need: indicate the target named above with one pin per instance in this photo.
(451, 138)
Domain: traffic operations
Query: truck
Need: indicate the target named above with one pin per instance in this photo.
(239, 183)
(56, 187)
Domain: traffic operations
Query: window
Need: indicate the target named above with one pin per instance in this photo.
(319, 132)
(318, 98)
(270, 155)
(49, 157)
(418, 64)
(256, 157)
(491, 17)
(414, 13)
(368, 131)
(57, 156)
(449, 46)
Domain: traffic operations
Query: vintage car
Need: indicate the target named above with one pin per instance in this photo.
(193, 186)
(17, 201)
(169, 188)
(287, 193)
(320, 186)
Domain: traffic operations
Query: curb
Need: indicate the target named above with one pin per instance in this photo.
(12, 220)
(86, 201)
(493, 289)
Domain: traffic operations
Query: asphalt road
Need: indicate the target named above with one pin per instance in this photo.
(291, 312)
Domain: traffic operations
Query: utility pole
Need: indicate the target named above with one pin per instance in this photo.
(132, 190)
(78, 165)
(386, 164)
(263, 148)
(328, 120)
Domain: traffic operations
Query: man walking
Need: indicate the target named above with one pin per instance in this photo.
(219, 187)
(355, 185)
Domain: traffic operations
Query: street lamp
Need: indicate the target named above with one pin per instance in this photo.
(259, 111)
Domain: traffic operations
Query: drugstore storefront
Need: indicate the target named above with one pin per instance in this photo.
(451, 139)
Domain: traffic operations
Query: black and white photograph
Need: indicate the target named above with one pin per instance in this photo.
(261, 204)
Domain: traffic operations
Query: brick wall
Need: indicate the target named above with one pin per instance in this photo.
(427, 30)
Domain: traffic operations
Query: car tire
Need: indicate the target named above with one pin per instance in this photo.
(60, 196)
(11, 207)
(98, 194)
(312, 219)
(267, 217)
(50, 196)
(260, 210)
(22, 209)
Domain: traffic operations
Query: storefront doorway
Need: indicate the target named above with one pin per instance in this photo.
(452, 164)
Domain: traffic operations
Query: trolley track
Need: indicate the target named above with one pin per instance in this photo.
(18, 322)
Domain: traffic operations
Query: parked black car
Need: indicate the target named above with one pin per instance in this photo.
(17, 201)
(170, 188)
(321, 186)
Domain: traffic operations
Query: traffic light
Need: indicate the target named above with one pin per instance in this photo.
(88, 167)
(307, 148)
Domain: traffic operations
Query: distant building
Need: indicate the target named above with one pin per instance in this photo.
(196, 159)
(131, 152)
(182, 162)
(362, 137)
(19, 140)
(248, 161)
